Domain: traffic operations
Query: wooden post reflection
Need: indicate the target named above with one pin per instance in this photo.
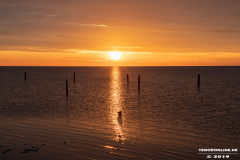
(66, 87)
(74, 77)
(198, 80)
(139, 83)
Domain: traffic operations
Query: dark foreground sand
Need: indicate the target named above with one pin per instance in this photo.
(35, 139)
(28, 140)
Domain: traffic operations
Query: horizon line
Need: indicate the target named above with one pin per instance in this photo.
(123, 66)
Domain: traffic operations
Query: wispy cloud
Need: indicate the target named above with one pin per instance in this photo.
(36, 14)
(192, 30)
(84, 60)
(29, 49)
(88, 25)
(119, 47)
(91, 51)
(83, 51)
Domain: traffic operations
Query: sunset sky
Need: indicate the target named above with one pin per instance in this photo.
(146, 32)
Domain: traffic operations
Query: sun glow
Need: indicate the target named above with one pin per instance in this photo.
(115, 55)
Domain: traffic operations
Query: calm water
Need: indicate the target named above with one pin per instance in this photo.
(170, 118)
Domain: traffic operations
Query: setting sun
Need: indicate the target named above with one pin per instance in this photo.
(115, 55)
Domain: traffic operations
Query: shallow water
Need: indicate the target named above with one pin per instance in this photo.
(170, 118)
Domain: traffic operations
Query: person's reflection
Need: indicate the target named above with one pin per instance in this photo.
(115, 107)
(120, 133)
(120, 119)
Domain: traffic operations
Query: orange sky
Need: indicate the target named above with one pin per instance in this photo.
(148, 33)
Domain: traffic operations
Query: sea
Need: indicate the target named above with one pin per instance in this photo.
(102, 116)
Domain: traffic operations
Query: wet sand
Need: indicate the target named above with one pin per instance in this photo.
(44, 139)
(47, 140)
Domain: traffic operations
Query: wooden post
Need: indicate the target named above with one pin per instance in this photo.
(25, 76)
(66, 87)
(198, 80)
(139, 83)
(74, 77)
(127, 79)
(119, 113)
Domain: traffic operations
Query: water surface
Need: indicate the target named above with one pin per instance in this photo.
(170, 118)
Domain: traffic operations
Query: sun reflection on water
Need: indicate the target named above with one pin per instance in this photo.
(116, 105)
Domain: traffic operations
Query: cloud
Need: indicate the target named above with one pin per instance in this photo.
(88, 25)
(83, 51)
(35, 14)
(29, 49)
(84, 60)
(191, 30)
(154, 25)
(122, 47)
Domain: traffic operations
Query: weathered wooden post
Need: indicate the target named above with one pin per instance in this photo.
(127, 79)
(198, 80)
(74, 77)
(139, 83)
(25, 76)
(119, 113)
(66, 87)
